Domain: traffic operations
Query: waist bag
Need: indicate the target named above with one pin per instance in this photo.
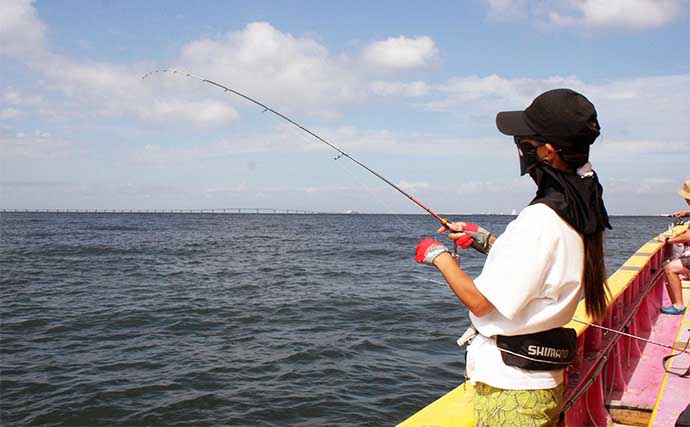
(540, 351)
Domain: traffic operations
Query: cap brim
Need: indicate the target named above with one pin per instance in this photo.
(513, 123)
(684, 194)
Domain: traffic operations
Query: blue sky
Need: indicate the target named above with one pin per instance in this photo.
(409, 89)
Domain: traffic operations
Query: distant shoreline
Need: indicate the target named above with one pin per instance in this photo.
(260, 211)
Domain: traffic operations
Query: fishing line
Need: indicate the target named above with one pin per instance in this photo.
(632, 336)
(266, 108)
(340, 152)
(356, 177)
(426, 279)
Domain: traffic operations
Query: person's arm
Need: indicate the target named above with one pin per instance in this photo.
(463, 286)
(434, 253)
(525, 251)
(683, 237)
(681, 214)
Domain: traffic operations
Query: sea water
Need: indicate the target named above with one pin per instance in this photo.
(232, 319)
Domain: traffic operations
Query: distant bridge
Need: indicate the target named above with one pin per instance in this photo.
(167, 211)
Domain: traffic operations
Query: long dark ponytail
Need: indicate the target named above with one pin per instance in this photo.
(594, 275)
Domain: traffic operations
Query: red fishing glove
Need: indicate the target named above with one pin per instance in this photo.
(475, 236)
(427, 251)
(464, 241)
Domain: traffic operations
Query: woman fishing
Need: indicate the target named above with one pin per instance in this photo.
(536, 271)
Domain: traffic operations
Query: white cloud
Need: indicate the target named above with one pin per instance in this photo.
(33, 145)
(96, 88)
(353, 138)
(93, 88)
(640, 117)
(275, 67)
(654, 185)
(624, 14)
(643, 185)
(9, 113)
(239, 188)
(201, 113)
(411, 89)
(508, 9)
(502, 186)
(628, 108)
(285, 138)
(157, 153)
(478, 99)
(631, 14)
(21, 32)
(16, 98)
(648, 108)
(108, 89)
(414, 186)
(300, 73)
(278, 140)
(401, 53)
(621, 150)
(473, 88)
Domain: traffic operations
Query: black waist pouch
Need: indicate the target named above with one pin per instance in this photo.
(540, 351)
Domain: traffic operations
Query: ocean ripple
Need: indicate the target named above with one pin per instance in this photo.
(204, 320)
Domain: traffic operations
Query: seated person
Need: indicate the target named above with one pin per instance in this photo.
(684, 193)
(678, 266)
(673, 270)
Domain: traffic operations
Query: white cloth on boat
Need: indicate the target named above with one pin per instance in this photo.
(532, 276)
(585, 170)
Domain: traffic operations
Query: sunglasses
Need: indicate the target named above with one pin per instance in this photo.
(527, 150)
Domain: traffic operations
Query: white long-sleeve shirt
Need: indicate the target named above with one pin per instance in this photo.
(533, 277)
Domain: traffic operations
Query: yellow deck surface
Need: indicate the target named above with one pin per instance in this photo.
(656, 418)
(455, 409)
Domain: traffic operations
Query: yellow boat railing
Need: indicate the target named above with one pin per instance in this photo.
(603, 359)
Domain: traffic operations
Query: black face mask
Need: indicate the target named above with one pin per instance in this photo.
(576, 199)
(527, 154)
(529, 159)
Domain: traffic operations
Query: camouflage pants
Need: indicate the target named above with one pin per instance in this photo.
(495, 407)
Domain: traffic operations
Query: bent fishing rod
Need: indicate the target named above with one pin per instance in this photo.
(341, 153)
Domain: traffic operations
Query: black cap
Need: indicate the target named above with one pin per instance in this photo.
(563, 117)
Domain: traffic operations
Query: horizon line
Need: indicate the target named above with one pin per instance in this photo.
(258, 211)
